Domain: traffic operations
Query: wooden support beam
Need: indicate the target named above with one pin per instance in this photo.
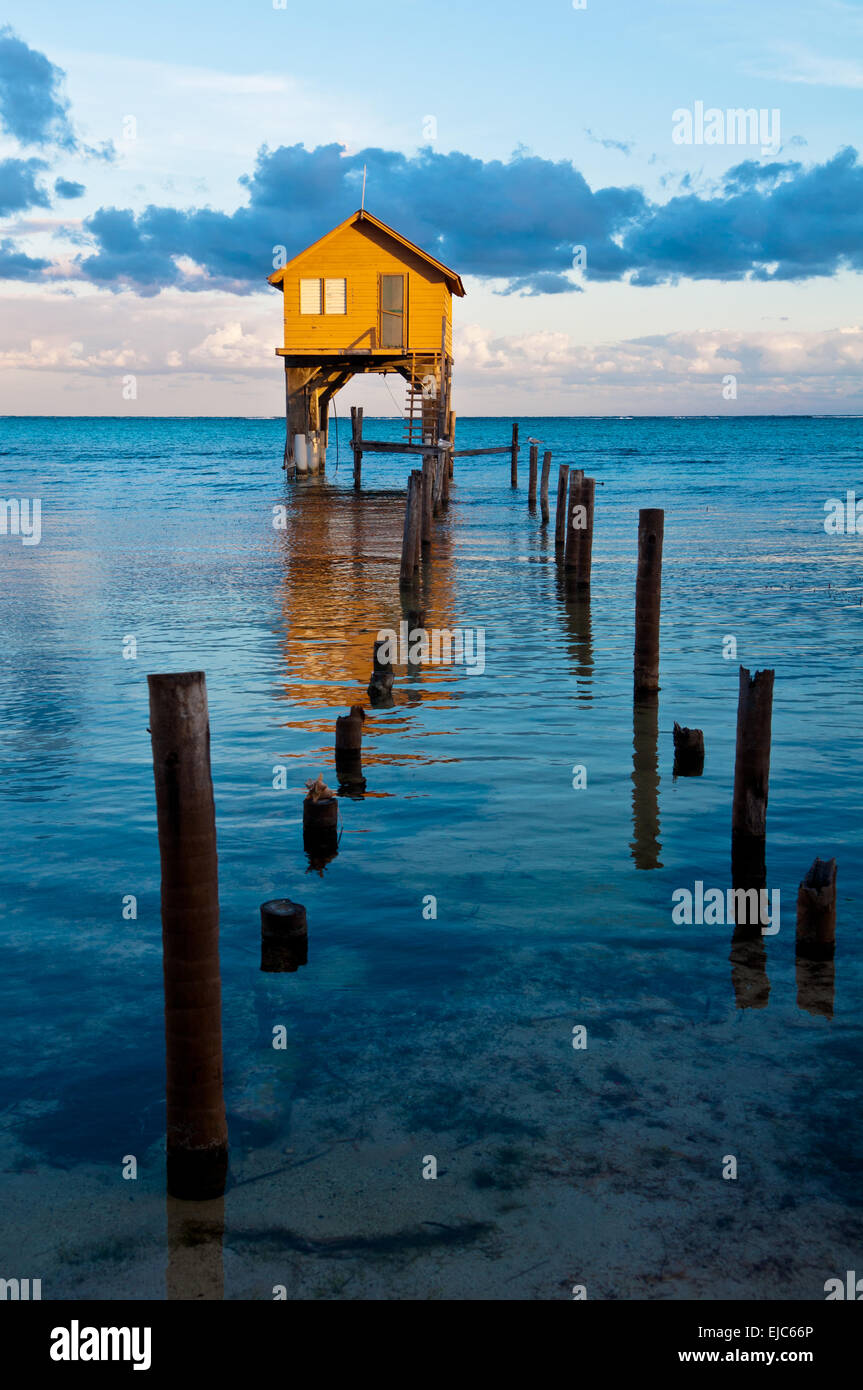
(474, 453)
(428, 484)
(357, 443)
(513, 468)
(408, 561)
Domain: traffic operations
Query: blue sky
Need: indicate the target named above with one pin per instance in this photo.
(499, 134)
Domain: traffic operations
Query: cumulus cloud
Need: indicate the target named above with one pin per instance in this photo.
(516, 221)
(16, 265)
(32, 107)
(19, 188)
(66, 188)
(779, 364)
(70, 356)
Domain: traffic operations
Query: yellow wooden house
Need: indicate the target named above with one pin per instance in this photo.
(363, 299)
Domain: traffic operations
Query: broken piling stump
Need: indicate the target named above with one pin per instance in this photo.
(320, 824)
(197, 1132)
(349, 749)
(688, 752)
(284, 936)
(751, 772)
(648, 594)
(816, 912)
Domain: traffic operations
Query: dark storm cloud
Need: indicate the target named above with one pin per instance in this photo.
(18, 186)
(516, 221)
(31, 105)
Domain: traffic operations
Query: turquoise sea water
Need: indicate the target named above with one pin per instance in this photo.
(450, 1036)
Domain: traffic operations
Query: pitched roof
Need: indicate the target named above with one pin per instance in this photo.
(452, 279)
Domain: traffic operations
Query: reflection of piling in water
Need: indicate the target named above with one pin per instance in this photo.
(197, 1134)
(381, 682)
(195, 1234)
(543, 486)
(560, 514)
(416, 621)
(688, 752)
(575, 604)
(349, 749)
(816, 986)
(748, 952)
(645, 846)
(816, 912)
(284, 936)
(751, 772)
(648, 595)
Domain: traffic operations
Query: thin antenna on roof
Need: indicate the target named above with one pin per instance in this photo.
(363, 203)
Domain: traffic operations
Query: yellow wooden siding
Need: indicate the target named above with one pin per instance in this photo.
(360, 257)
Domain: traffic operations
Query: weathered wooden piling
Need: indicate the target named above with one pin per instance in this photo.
(579, 539)
(410, 542)
(513, 468)
(357, 442)
(648, 593)
(320, 807)
(688, 752)
(751, 771)
(284, 936)
(576, 478)
(451, 437)
(816, 912)
(543, 486)
(560, 516)
(197, 1133)
(417, 517)
(532, 473)
(428, 485)
(349, 749)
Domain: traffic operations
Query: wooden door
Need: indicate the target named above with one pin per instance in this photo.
(393, 307)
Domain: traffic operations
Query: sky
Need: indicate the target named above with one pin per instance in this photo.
(151, 159)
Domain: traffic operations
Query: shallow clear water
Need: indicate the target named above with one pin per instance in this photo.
(449, 1037)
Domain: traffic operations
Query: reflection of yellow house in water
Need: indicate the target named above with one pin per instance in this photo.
(341, 587)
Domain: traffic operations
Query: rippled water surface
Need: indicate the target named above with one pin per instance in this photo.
(449, 1036)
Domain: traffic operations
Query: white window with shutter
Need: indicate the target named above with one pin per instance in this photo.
(310, 296)
(335, 296)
